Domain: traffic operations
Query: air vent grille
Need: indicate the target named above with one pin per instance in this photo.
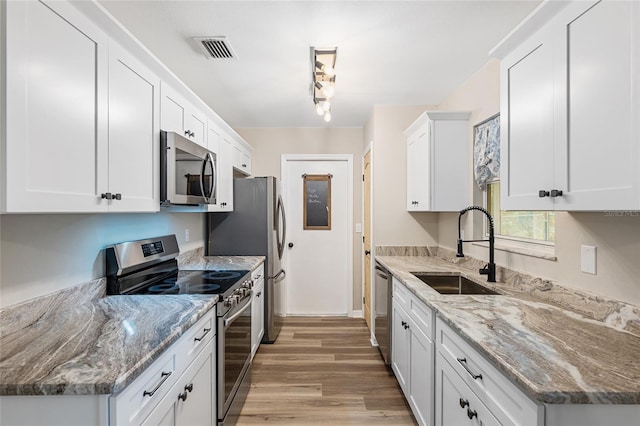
(216, 48)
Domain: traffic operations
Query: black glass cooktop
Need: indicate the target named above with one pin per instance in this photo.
(193, 282)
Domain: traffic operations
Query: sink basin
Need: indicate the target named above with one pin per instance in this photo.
(453, 284)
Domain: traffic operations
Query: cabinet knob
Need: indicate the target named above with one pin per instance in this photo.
(471, 413)
(463, 403)
(290, 245)
(556, 193)
(367, 252)
(186, 132)
(107, 195)
(183, 396)
(244, 165)
(189, 387)
(118, 196)
(403, 323)
(542, 193)
(406, 326)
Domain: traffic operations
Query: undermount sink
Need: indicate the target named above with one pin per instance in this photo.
(453, 284)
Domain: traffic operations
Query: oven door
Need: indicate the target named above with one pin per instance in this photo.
(234, 353)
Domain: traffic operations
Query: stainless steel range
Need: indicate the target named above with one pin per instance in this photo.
(148, 267)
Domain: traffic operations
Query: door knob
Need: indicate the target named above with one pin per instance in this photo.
(367, 252)
(290, 245)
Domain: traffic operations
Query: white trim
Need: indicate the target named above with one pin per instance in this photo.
(357, 314)
(284, 158)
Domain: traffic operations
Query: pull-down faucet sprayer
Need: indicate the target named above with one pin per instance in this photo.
(490, 268)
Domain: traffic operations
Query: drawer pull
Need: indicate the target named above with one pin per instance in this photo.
(164, 376)
(471, 413)
(463, 403)
(206, 331)
(463, 363)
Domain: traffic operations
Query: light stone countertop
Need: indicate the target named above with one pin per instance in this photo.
(81, 342)
(555, 355)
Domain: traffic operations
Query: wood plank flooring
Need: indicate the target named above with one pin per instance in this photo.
(323, 371)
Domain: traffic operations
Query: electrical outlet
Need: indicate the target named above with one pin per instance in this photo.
(588, 259)
(187, 236)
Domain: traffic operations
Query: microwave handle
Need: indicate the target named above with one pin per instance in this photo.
(214, 175)
(207, 158)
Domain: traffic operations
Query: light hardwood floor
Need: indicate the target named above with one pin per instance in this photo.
(323, 371)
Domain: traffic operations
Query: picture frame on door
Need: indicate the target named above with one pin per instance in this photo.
(316, 199)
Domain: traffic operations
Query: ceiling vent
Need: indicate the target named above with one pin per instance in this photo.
(216, 47)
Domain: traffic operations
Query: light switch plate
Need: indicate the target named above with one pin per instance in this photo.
(358, 227)
(588, 259)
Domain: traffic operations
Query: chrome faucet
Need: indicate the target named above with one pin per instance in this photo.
(490, 268)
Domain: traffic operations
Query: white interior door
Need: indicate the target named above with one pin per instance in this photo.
(319, 280)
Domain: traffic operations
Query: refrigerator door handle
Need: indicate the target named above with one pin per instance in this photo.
(281, 225)
(277, 278)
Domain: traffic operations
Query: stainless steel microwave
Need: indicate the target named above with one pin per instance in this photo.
(187, 171)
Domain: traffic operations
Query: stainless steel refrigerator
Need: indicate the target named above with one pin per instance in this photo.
(255, 227)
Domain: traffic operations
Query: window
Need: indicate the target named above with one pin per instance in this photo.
(529, 226)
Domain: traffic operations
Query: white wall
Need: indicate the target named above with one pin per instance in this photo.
(40, 254)
(617, 238)
(270, 143)
(392, 224)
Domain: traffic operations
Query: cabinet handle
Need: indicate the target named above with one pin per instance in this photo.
(463, 403)
(556, 193)
(165, 376)
(206, 331)
(107, 195)
(471, 413)
(463, 363)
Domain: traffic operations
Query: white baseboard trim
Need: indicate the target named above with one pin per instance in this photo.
(357, 314)
(374, 342)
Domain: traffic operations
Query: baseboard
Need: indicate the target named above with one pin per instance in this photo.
(357, 314)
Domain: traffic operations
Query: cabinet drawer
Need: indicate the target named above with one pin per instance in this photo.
(196, 338)
(508, 403)
(455, 401)
(133, 404)
(401, 295)
(422, 315)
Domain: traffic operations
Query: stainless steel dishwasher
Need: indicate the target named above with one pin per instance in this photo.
(382, 312)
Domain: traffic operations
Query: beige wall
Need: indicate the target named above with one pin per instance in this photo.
(270, 143)
(392, 224)
(617, 238)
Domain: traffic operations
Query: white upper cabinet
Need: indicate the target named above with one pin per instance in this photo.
(570, 102)
(55, 138)
(438, 169)
(242, 157)
(178, 115)
(219, 143)
(134, 133)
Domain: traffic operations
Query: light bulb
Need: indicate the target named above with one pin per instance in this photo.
(319, 109)
(329, 90)
(327, 116)
(326, 105)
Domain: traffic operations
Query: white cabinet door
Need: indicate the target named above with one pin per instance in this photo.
(400, 347)
(418, 170)
(56, 115)
(421, 387)
(224, 199)
(178, 115)
(134, 100)
(598, 148)
(527, 123)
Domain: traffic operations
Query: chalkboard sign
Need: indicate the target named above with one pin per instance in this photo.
(317, 202)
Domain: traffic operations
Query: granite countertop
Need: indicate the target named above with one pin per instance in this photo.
(555, 355)
(80, 342)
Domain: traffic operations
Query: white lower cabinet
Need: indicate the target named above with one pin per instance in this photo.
(412, 351)
(257, 309)
(190, 401)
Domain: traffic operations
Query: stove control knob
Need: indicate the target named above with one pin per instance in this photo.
(231, 301)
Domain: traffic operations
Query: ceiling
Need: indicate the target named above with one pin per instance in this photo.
(389, 52)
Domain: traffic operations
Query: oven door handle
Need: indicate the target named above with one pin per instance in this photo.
(241, 309)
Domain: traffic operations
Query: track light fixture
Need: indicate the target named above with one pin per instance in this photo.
(323, 79)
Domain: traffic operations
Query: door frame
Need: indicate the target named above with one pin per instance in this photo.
(372, 295)
(284, 160)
